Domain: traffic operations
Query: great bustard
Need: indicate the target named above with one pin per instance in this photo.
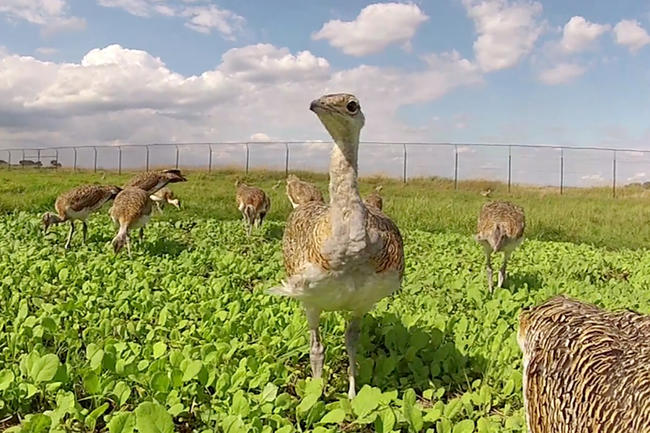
(165, 195)
(586, 370)
(253, 203)
(78, 204)
(500, 228)
(374, 198)
(486, 192)
(300, 192)
(131, 209)
(152, 181)
(343, 256)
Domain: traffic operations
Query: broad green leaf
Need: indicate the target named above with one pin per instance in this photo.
(335, 416)
(159, 349)
(412, 414)
(6, 377)
(269, 392)
(123, 422)
(122, 391)
(191, 369)
(43, 368)
(385, 422)
(160, 381)
(464, 426)
(153, 418)
(91, 419)
(37, 424)
(366, 401)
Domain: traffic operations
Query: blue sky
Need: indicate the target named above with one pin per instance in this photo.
(142, 71)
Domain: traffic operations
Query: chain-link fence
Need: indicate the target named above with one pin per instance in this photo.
(555, 166)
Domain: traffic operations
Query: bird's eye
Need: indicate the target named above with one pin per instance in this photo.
(352, 106)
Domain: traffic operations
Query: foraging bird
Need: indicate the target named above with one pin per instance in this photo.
(78, 204)
(500, 229)
(165, 195)
(152, 181)
(253, 203)
(586, 370)
(131, 209)
(341, 256)
(300, 192)
(374, 198)
(486, 192)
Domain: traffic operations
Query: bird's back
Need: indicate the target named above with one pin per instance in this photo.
(83, 198)
(585, 369)
(300, 192)
(130, 205)
(252, 196)
(509, 217)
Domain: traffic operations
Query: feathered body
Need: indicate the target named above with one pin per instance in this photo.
(77, 204)
(342, 255)
(131, 209)
(253, 203)
(301, 192)
(374, 199)
(152, 181)
(500, 229)
(165, 195)
(586, 370)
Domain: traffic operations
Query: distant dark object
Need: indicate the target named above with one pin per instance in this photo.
(646, 185)
(30, 163)
(55, 163)
(3, 162)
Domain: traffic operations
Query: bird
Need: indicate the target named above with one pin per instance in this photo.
(77, 204)
(253, 203)
(131, 209)
(374, 199)
(344, 255)
(586, 370)
(152, 181)
(486, 192)
(165, 195)
(500, 229)
(300, 192)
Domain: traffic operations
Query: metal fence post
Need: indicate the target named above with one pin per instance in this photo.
(509, 167)
(119, 159)
(56, 155)
(210, 160)
(247, 157)
(38, 155)
(147, 161)
(9, 160)
(23, 157)
(95, 159)
(404, 162)
(74, 166)
(286, 159)
(614, 176)
(455, 166)
(561, 170)
(176, 157)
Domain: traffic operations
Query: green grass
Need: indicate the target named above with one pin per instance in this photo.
(588, 216)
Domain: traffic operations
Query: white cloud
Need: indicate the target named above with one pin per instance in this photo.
(561, 73)
(51, 15)
(507, 31)
(260, 136)
(630, 34)
(128, 96)
(47, 51)
(203, 18)
(579, 34)
(376, 27)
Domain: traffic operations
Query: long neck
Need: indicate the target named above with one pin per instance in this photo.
(343, 175)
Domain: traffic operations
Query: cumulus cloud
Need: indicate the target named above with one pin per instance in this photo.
(561, 73)
(629, 33)
(120, 95)
(507, 31)
(376, 27)
(579, 34)
(203, 18)
(51, 15)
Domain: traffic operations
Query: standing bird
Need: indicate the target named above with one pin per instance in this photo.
(300, 192)
(152, 181)
(341, 256)
(486, 192)
(500, 228)
(78, 204)
(253, 203)
(586, 370)
(165, 195)
(374, 199)
(131, 209)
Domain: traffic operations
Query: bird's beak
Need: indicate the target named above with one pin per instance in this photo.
(316, 106)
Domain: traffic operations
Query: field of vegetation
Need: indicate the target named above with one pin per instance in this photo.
(183, 337)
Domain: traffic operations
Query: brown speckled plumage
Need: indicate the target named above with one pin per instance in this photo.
(253, 203)
(131, 209)
(301, 192)
(164, 195)
(152, 181)
(500, 228)
(586, 370)
(374, 199)
(77, 204)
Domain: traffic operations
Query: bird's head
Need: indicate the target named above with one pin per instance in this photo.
(341, 115)
(47, 220)
(115, 190)
(175, 202)
(118, 243)
(174, 175)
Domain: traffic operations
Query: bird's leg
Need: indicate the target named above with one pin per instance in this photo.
(488, 270)
(84, 231)
(159, 207)
(141, 233)
(316, 349)
(351, 344)
(502, 271)
(128, 245)
(67, 244)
